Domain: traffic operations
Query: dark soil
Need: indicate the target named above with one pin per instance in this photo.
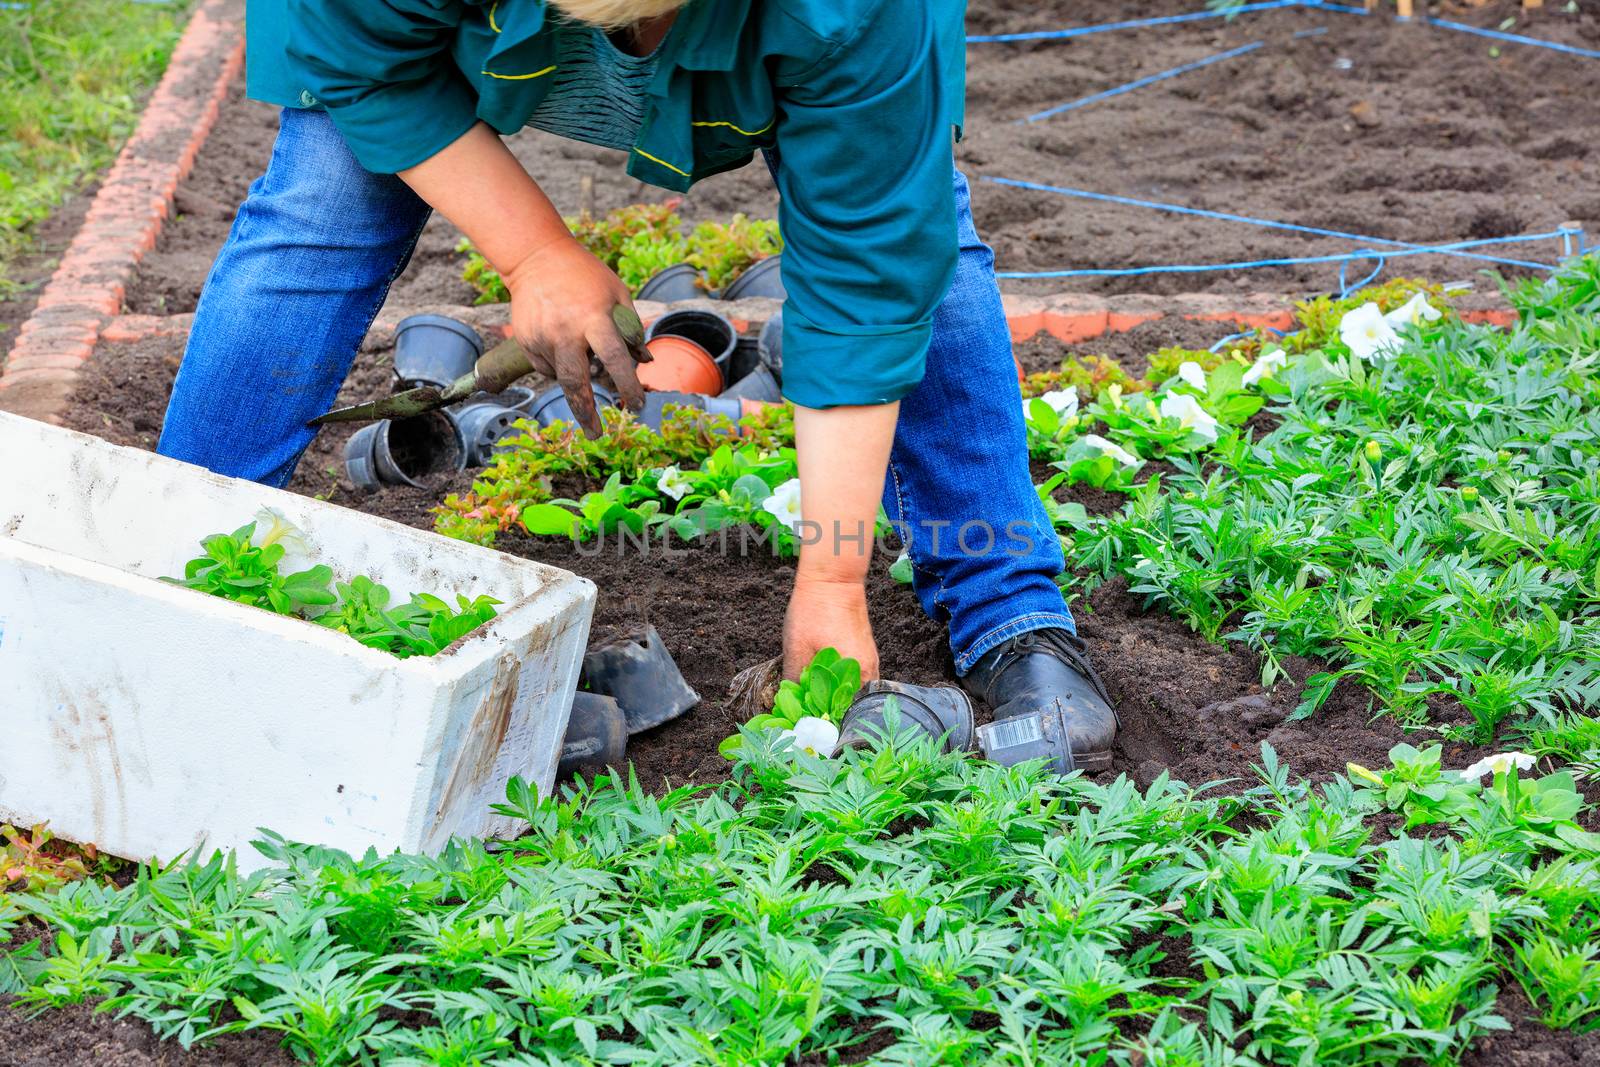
(78, 1035)
(29, 271)
(1405, 132)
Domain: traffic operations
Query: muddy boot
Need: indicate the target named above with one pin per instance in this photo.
(1040, 684)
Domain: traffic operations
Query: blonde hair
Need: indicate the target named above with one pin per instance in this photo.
(612, 14)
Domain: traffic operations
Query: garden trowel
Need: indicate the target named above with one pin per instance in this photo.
(496, 369)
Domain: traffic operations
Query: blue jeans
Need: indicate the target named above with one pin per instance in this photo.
(318, 242)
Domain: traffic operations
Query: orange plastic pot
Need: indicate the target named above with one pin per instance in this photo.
(680, 366)
(1022, 375)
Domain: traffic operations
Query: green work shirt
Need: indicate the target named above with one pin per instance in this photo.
(860, 97)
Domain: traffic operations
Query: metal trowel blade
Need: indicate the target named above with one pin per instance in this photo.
(399, 406)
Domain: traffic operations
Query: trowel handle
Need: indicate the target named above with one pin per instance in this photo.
(500, 366)
(507, 361)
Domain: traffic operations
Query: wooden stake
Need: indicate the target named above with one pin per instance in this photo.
(1526, 4)
(1405, 8)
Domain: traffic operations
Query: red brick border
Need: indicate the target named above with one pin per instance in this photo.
(122, 224)
(1073, 317)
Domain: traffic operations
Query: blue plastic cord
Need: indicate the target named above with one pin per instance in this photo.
(1141, 83)
(1166, 20)
(1462, 27)
(1343, 257)
(1229, 217)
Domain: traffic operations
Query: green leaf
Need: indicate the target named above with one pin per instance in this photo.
(788, 706)
(550, 520)
(1318, 688)
(311, 586)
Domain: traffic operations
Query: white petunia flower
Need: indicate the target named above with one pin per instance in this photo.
(673, 483)
(1499, 763)
(1367, 334)
(1112, 449)
(1191, 373)
(1414, 312)
(1265, 366)
(784, 504)
(814, 735)
(272, 528)
(1064, 402)
(1187, 410)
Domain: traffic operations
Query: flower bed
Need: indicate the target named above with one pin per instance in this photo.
(1311, 543)
(1351, 441)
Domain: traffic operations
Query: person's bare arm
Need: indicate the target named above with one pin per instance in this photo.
(843, 455)
(561, 295)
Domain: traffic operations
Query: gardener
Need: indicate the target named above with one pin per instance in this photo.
(896, 349)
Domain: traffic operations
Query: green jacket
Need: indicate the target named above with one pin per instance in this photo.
(859, 96)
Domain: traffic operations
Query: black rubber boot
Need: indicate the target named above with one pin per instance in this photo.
(1045, 673)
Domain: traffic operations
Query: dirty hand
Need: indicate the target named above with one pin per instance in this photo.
(561, 303)
(828, 614)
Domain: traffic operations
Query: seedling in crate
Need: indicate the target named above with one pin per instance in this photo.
(243, 568)
(425, 626)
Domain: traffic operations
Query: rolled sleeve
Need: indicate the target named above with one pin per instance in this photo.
(382, 68)
(868, 206)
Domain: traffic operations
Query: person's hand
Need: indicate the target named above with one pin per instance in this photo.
(828, 614)
(561, 303)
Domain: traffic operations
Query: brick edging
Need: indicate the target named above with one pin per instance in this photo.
(1072, 317)
(122, 224)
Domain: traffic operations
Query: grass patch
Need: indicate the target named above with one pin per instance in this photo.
(73, 75)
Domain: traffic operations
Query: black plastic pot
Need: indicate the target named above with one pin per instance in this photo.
(771, 345)
(937, 711)
(746, 358)
(676, 283)
(551, 405)
(1038, 735)
(434, 350)
(482, 424)
(597, 737)
(760, 384)
(763, 279)
(654, 412)
(642, 677)
(710, 331)
(518, 398)
(404, 451)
